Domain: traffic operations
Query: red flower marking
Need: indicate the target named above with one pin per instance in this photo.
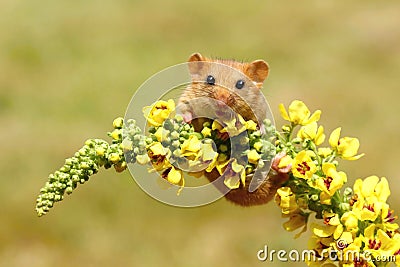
(303, 168)
(327, 181)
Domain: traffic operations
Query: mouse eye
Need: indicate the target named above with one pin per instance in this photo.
(239, 84)
(210, 80)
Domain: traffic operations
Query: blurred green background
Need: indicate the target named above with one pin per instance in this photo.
(67, 68)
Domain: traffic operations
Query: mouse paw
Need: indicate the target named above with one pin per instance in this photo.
(276, 161)
(187, 117)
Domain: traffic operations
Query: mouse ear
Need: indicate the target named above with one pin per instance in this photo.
(196, 63)
(257, 71)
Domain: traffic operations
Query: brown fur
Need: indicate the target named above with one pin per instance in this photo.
(248, 102)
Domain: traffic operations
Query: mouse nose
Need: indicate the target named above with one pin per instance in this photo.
(222, 95)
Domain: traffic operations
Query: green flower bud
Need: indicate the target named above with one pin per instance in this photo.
(286, 128)
(176, 143)
(68, 190)
(223, 148)
(174, 135)
(348, 191)
(267, 122)
(178, 118)
(184, 134)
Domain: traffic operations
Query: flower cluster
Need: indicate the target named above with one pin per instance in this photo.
(171, 147)
(357, 225)
(176, 146)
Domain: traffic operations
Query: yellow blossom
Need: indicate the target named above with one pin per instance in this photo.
(286, 200)
(388, 218)
(323, 230)
(299, 113)
(159, 156)
(219, 162)
(216, 126)
(346, 147)
(208, 152)
(324, 151)
(303, 165)
(371, 197)
(321, 245)
(379, 244)
(258, 145)
(285, 162)
(175, 177)
(331, 182)
(253, 156)
(161, 134)
(251, 125)
(157, 113)
(206, 132)
(191, 146)
(313, 132)
(234, 175)
(235, 126)
(158, 149)
(296, 220)
(350, 221)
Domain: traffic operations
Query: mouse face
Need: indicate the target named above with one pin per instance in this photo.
(233, 85)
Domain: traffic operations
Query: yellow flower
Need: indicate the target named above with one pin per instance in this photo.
(332, 219)
(258, 145)
(157, 113)
(350, 221)
(251, 125)
(161, 134)
(313, 132)
(371, 197)
(208, 152)
(351, 252)
(286, 200)
(235, 126)
(175, 177)
(234, 175)
(324, 151)
(346, 147)
(303, 166)
(285, 162)
(379, 244)
(388, 218)
(321, 245)
(206, 132)
(323, 230)
(191, 146)
(332, 181)
(219, 162)
(299, 113)
(216, 126)
(159, 156)
(253, 156)
(296, 220)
